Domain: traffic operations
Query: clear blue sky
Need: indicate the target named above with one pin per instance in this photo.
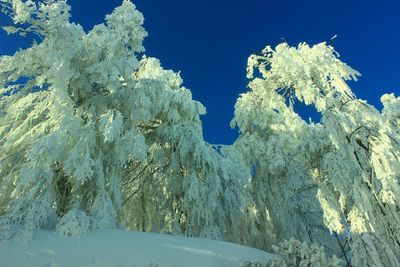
(209, 42)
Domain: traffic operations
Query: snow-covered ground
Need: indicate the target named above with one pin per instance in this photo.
(115, 248)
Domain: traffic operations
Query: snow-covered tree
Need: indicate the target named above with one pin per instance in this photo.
(276, 144)
(92, 137)
(185, 186)
(67, 128)
(351, 158)
(296, 253)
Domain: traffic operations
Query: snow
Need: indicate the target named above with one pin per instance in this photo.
(119, 248)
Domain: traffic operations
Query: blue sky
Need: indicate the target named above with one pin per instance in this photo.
(209, 42)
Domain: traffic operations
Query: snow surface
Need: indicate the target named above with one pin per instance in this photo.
(119, 248)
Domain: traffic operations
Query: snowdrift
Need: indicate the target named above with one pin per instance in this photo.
(117, 248)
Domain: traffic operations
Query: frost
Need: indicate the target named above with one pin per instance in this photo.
(111, 125)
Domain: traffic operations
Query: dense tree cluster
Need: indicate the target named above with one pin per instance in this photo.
(94, 134)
